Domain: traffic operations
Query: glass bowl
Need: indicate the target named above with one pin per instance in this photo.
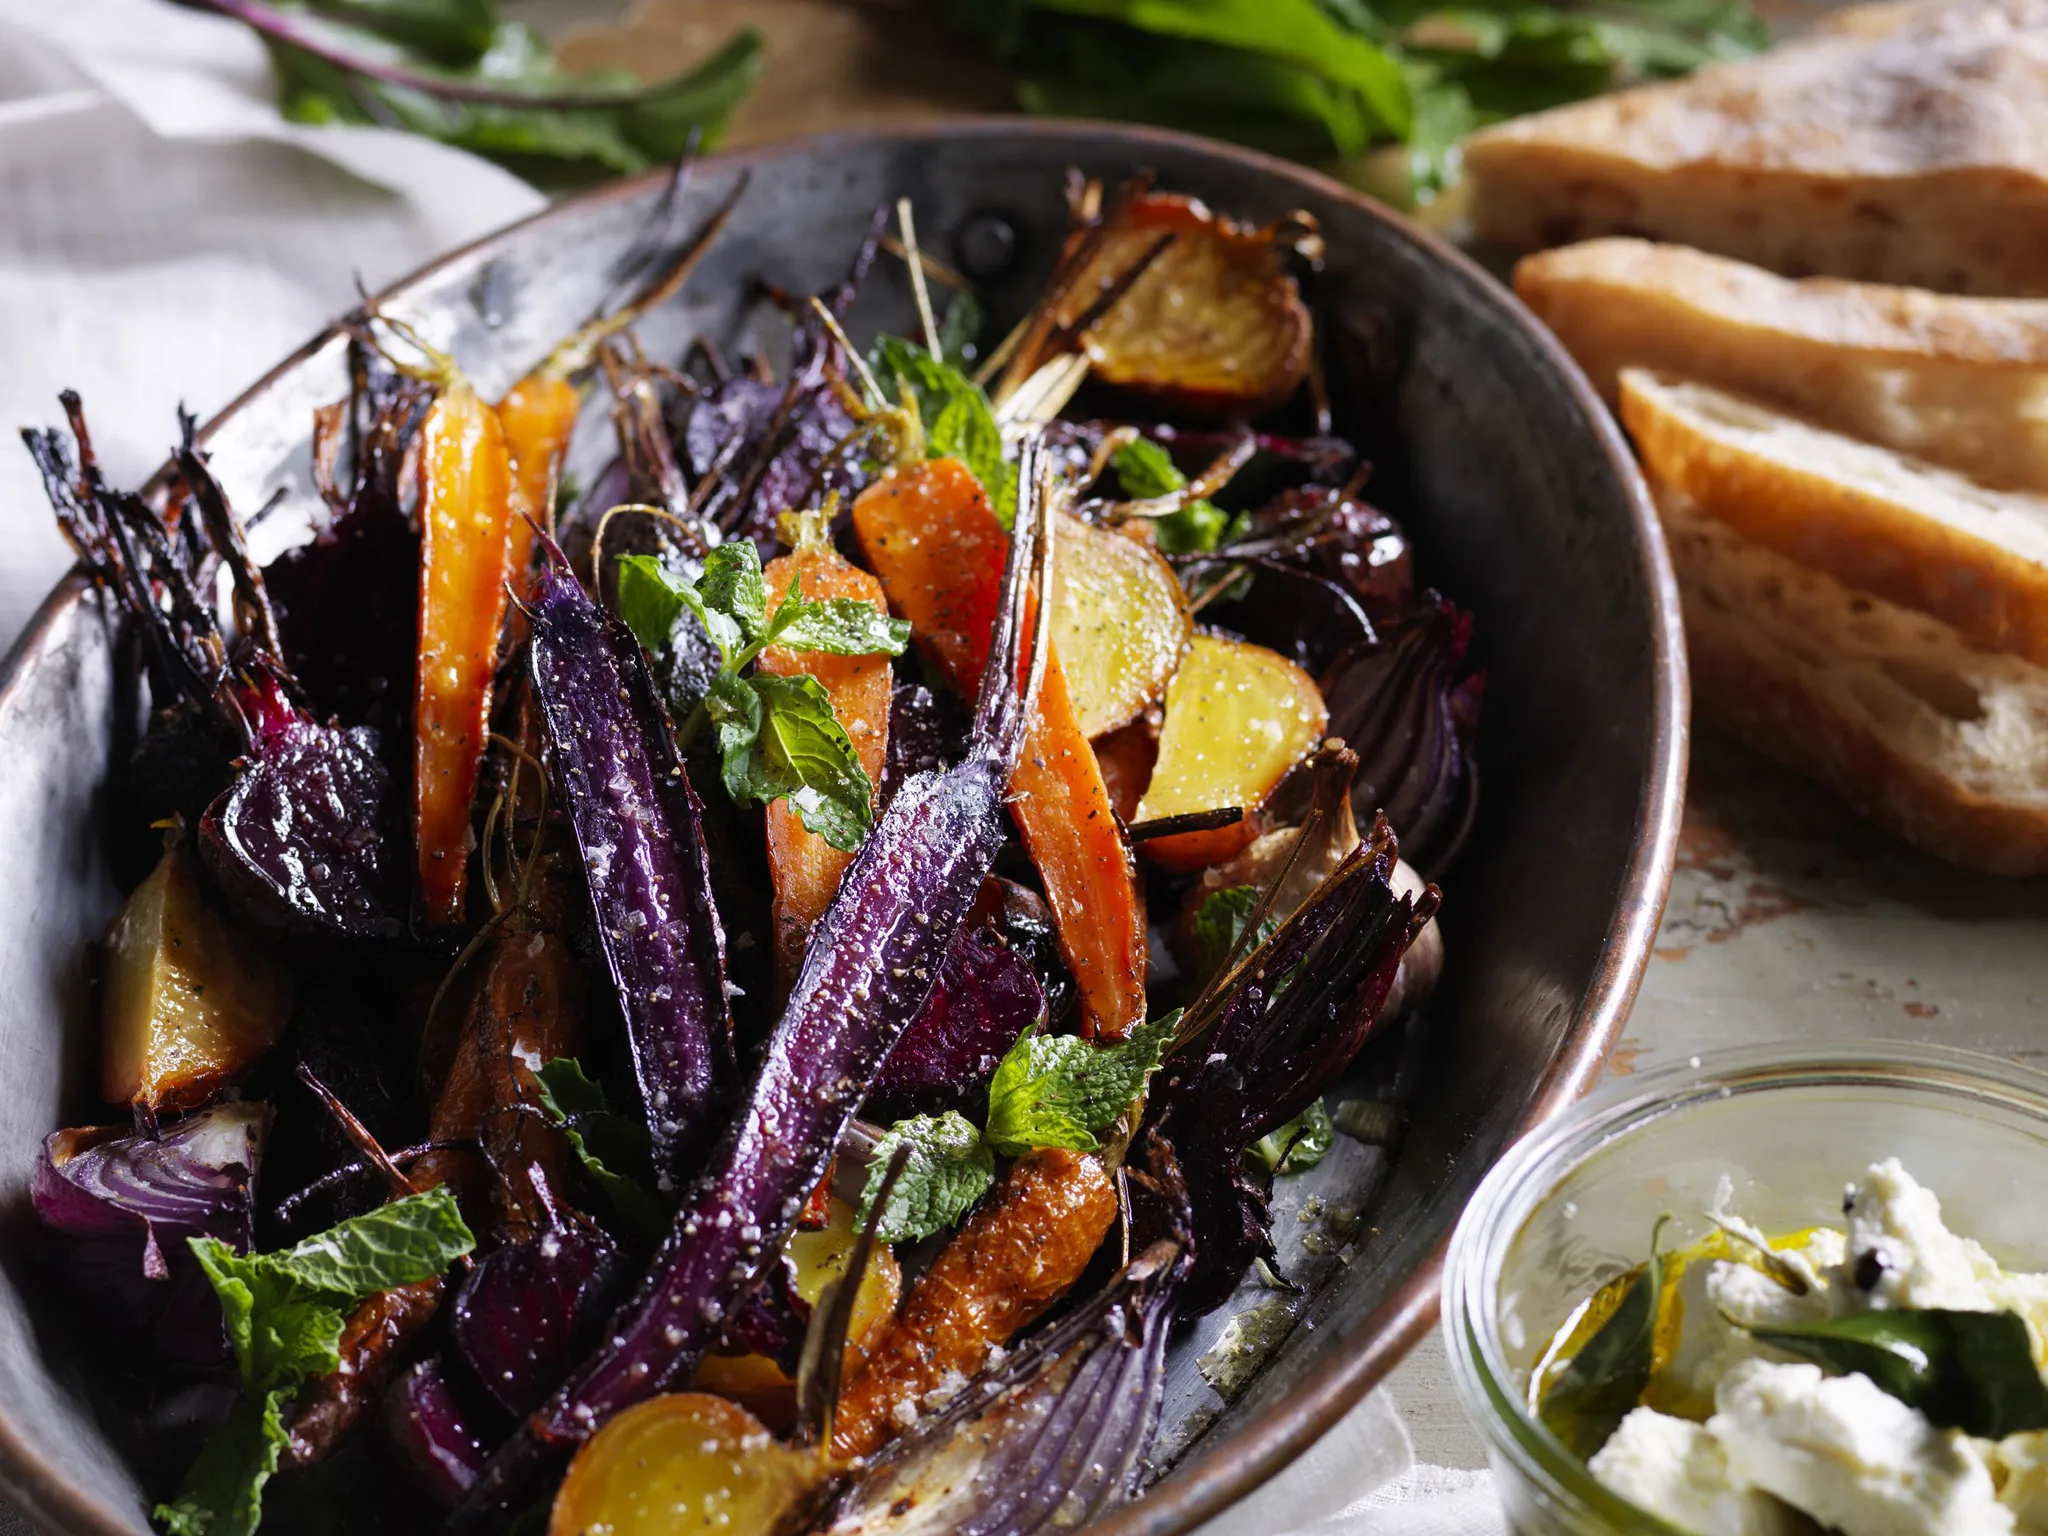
(1573, 1206)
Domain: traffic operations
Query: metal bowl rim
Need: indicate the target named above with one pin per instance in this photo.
(1225, 1471)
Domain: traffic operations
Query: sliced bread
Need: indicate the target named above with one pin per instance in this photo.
(1943, 744)
(1897, 527)
(1961, 382)
(1904, 144)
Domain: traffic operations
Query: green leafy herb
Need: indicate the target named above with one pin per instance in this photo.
(284, 1314)
(1604, 1380)
(1064, 1091)
(777, 736)
(1298, 1145)
(1324, 79)
(222, 1494)
(452, 70)
(958, 330)
(1220, 921)
(1148, 470)
(950, 1167)
(1972, 1371)
(1299, 33)
(958, 420)
(649, 604)
(614, 1149)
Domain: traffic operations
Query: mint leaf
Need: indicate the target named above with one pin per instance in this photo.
(958, 420)
(1063, 1091)
(402, 1243)
(734, 710)
(1298, 1145)
(803, 752)
(841, 626)
(222, 1491)
(1220, 920)
(950, 1167)
(649, 603)
(284, 1314)
(959, 328)
(732, 585)
(278, 1336)
(614, 1149)
(1147, 471)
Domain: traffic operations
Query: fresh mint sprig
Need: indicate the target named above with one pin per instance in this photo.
(1048, 1091)
(284, 1314)
(777, 736)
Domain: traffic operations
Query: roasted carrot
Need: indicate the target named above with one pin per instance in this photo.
(374, 1344)
(804, 867)
(465, 517)
(539, 416)
(929, 534)
(1017, 1254)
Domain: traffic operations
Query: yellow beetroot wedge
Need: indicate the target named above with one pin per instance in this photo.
(929, 534)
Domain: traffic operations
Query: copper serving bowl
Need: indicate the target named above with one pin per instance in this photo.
(1522, 501)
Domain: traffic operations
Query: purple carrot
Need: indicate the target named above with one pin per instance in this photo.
(873, 959)
(640, 831)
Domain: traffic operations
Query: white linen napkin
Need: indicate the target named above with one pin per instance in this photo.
(166, 236)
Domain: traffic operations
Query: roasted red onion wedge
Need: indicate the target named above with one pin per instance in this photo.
(1267, 1038)
(1399, 703)
(432, 1435)
(119, 1208)
(873, 959)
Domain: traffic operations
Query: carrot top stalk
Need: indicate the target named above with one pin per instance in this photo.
(465, 519)
(539, 417)
(931, 536)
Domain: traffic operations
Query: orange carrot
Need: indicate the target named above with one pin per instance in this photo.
(929, 534)
(804, 867)
(1016, 1255)
(539, 416)
(465, 514)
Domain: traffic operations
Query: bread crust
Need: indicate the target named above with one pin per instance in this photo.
(1909, 147)
(1961, 382)
(1794, 705)
(1793, 500)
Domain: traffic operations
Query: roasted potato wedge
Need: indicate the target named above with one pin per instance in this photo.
(1120, 624)
(1238, 716)
(190, 1000)
(1214, 327)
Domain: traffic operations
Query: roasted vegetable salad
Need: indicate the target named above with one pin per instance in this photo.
(767, 989)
